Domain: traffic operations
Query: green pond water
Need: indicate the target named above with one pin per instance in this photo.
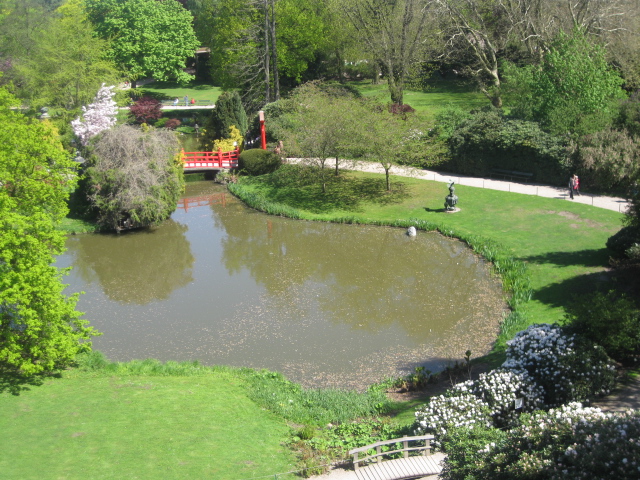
(327, 305)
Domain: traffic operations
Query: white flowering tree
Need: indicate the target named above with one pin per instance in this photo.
(97, 117)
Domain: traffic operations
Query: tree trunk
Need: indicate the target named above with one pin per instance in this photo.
(386, 172)
(337, 166)
(267, 53)
(274, 57)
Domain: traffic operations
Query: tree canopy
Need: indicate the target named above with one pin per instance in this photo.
(40, 330)
(148, 37)
(66, 63)
(572, 90)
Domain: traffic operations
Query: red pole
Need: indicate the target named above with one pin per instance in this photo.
(263, 132)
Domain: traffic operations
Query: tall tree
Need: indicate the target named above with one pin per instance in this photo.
(66, 63)
(148, 37)
(572, 91)
(477, 35)
(40, 330)
(393, 32)
(21, 23)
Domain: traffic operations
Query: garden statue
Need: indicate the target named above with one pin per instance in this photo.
(451, 200)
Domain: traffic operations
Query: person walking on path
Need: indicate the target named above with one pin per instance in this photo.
(576, 187)
(572, 185)
(186, 101)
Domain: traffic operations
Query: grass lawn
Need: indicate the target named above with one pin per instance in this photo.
(85, 426)
(563, 243)
(438, 94)
(169, 91)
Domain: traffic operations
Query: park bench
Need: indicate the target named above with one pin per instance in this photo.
(511, 174)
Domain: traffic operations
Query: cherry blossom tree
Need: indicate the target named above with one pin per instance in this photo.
(97, 117)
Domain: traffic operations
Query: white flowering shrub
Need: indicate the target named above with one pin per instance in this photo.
(499, 389)
(97, 117)
(445, 412)
(568, 367)
(567, 443)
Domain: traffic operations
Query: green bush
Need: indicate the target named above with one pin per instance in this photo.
(608, 159)
(487, 140)
(610, 320)
(258, 162)
(467, 448)
(620, 242)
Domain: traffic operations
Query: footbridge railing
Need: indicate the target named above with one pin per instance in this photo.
(210, 160)
(372, 466)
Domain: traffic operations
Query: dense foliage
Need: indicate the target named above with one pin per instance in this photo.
(487, 140)
(229, 112)
(146, 109)
(258, 162)
(609, 319)
(573, 90)
(148, 38)
(134, 177)
(40, 330)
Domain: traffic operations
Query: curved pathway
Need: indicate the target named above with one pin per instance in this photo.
(610, 203)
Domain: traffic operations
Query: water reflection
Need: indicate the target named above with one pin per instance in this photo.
(338, 305)
(130, 274)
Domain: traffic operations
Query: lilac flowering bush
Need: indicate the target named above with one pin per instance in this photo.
(568, 367)
(566, 443)
(97, 117)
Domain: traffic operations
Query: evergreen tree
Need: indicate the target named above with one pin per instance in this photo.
(229, 112)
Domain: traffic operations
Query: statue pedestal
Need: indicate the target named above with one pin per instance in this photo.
(455, 210)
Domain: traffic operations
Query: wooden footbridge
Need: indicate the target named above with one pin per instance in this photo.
(200, 161)
(422, 463)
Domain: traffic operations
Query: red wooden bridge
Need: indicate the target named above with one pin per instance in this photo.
(210, 160)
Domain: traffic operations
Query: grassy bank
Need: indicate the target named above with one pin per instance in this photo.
(169, 90)
(149, 420)
(561, 243)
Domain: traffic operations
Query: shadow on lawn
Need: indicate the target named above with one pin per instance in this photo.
(584, 258)
(15, 383)
(561, 294)
(342, 194)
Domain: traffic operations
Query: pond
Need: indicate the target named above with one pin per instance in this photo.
(325, 304)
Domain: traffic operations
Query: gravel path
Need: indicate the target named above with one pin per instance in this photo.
(610, 203)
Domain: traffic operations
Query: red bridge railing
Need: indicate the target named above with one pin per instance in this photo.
(210, 160)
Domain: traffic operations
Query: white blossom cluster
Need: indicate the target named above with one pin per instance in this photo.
(499, 389)
(97, 117)
(566, 369)
(444, 412)
(573, 442)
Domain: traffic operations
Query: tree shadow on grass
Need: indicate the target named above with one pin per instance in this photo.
(15, 383)
(584, 258)
(561, 294)
(342, 194)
